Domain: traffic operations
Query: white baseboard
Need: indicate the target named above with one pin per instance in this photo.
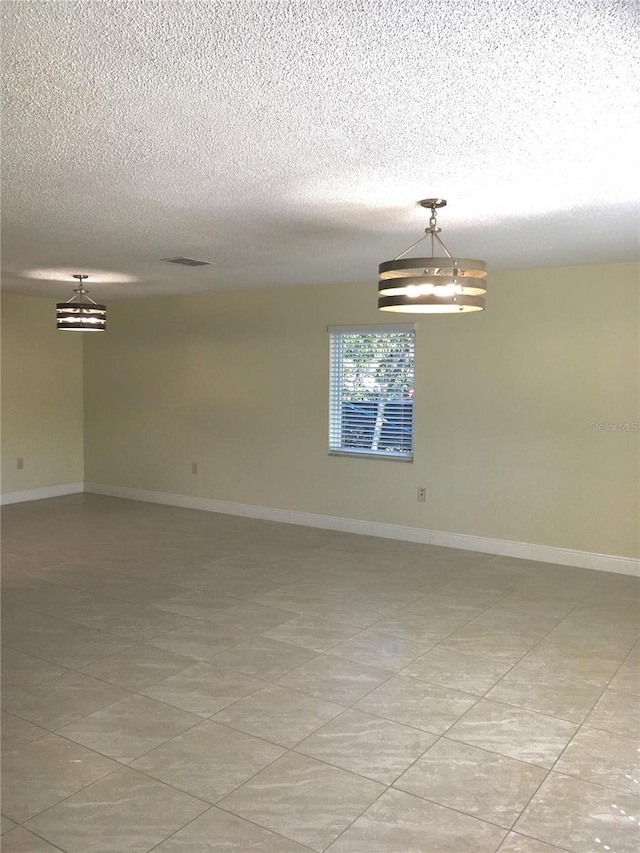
(41, 493)
(539, 553)
(497, 547)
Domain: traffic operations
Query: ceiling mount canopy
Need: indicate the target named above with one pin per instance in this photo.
(81, 316)
(432, 285)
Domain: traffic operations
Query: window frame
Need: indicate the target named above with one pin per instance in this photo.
(336, 385)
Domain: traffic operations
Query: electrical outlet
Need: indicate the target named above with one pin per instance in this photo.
(422, 494)
(19, 463)
(194, 467)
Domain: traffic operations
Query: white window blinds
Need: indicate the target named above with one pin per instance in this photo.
(371, 391)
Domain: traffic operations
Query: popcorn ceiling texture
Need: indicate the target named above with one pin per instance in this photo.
(287, 142)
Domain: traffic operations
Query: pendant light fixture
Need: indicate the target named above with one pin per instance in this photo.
(81, 316)
(435, 285)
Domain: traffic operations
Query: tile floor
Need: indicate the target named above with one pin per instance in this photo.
(185, 682)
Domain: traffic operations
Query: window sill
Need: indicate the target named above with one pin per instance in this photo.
(385, 457)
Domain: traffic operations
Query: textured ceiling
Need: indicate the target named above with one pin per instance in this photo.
(287, 142)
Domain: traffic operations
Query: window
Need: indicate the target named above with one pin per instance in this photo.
(371, 394)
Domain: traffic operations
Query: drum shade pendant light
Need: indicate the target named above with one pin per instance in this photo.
(435, 285)
(81, 316)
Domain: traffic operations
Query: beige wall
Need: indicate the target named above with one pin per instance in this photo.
(505, 401)
(42, 406)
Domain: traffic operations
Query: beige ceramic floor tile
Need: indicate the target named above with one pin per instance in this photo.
(435, 604)
(279, 715)
(479, 783)
(326, 600)
(559, 697)
(209, 760)
(5, 824)
(40, 774)
(252, 617)
(530, 601)
(409, 625)
(351, 609)
(603, 758)
(581, 817)
(141, 623)
(245, 585)
(608, 637)
(263, 658)
(489, 642)
(309, 633)
(58, 641)
(61, 700)
(514, 620)
(22, 671)
(335, 680)
(514, 732)
(550, 661)
(449, 668)
(217, 831)
(138, 667)
(515, 843)
(627, 678)
(121, 585)
(618, 713)
(303, 799)
(129, 728)
(127, 811)
(415, 703)
(467, 593)
(198, 604)
(122, 618)
(203, 689)
(41, 596)
(17, 732)
(20, 840)
(380, 650)
(294, 597)
(370, 746)
(199, 640)
(400, 822)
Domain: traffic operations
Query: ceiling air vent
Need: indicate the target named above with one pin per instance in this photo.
(187, 262)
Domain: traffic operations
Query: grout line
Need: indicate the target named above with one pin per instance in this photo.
(246, 820)
(35, 834)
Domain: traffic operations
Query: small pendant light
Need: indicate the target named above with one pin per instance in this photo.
(435, 285)
(81, 316)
